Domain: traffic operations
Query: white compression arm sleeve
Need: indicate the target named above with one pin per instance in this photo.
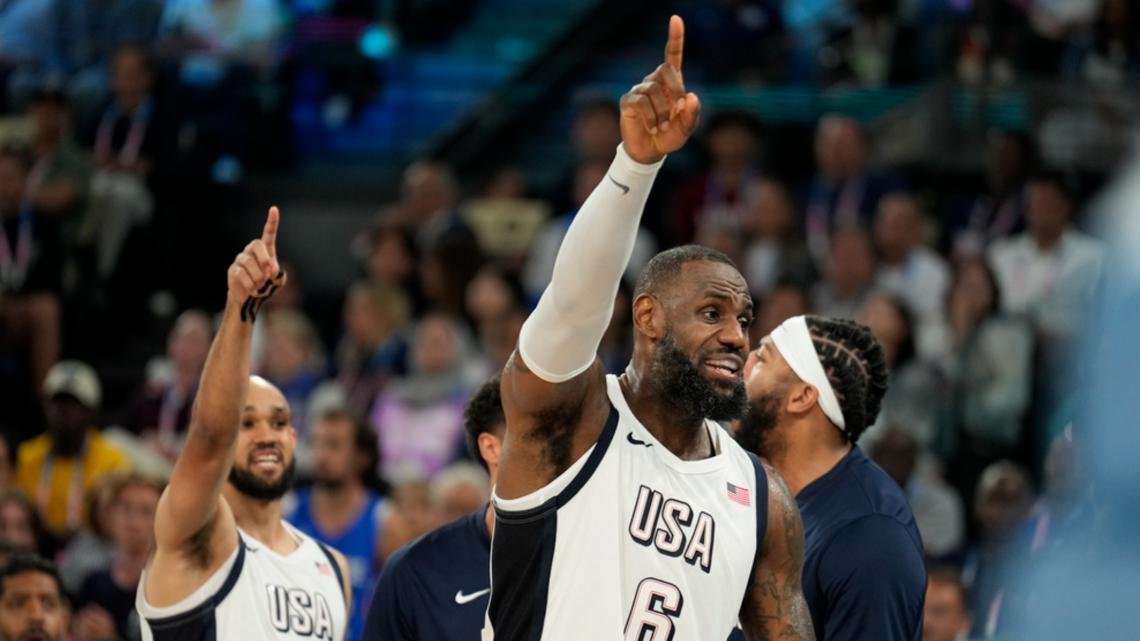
(560, 338)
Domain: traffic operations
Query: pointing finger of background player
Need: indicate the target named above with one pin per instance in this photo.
(675, 46)
(269, 232)
(269, 239)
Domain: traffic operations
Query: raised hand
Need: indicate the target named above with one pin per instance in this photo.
(658, 115)
(255, 273)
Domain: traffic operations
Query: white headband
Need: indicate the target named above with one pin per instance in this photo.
(793, 340)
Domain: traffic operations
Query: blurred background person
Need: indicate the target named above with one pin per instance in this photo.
(916, 395)
(31, 280)
(717, 196)
(33, 604)
(419, 417)
(61, 174)
(989, 364)
(909, 270)
(294, 361)
(938, 510)
(342, 508)
(20, 526)
(160, 413)
(775, 252)
(848, 275)
(461, 488)
(61, 465)
(845, 192)
(1002, 502)
(946, 615)
(105, 603)
(373, 347)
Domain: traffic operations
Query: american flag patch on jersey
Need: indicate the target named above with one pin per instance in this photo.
(739, 494)
(324, 568)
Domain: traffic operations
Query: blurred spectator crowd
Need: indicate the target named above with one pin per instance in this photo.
(126, 119)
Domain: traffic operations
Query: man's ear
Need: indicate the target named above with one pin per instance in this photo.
(489, 448)
(649, 316)
(802, 398)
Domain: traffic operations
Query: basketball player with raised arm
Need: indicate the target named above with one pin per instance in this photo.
(227, 566)
(622, 509)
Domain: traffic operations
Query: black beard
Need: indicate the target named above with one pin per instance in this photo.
(758, 424)
(252, 486)
(683, 387)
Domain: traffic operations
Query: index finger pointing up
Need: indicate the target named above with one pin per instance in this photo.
(675, 48)
(269, 234)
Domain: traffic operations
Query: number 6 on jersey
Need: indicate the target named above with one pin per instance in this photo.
(655, 605)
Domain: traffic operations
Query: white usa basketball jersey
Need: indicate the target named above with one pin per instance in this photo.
(257, 595)
(630, 542)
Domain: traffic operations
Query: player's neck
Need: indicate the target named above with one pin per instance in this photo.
(807, 452)
(682, 435)
(489, 518)
(261, 520)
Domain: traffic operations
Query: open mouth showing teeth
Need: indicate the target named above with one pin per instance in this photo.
(724, 367)
(266, 458)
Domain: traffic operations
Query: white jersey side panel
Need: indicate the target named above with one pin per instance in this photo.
(257, 595)
(631, 542)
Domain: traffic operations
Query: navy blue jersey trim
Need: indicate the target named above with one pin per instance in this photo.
(336, 569)
(761, 502)
(579, 481)
(169, 627)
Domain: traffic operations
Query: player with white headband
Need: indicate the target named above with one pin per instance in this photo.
(814, 386)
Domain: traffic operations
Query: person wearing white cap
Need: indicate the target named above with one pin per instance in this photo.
(814, 386)
(58, 467)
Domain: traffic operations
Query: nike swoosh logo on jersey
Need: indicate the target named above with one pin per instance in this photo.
(624, 188)
(464, 599)
(629, 437)
(248, 548)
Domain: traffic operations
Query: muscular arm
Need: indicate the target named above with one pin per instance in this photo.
(774, 606)
(192, 522)
(555, 370)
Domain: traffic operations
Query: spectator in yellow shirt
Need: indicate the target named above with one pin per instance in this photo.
(56, 469)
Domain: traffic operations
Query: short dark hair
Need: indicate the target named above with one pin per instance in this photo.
(856, 369)
(22, 563)
(484, 414)
(363, 439)
(951, 576)
(664, 268)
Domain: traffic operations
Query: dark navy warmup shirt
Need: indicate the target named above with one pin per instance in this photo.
(864, 574)
(435, 588)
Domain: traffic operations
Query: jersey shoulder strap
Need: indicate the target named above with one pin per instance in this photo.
(761, 501)
(336, 569)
